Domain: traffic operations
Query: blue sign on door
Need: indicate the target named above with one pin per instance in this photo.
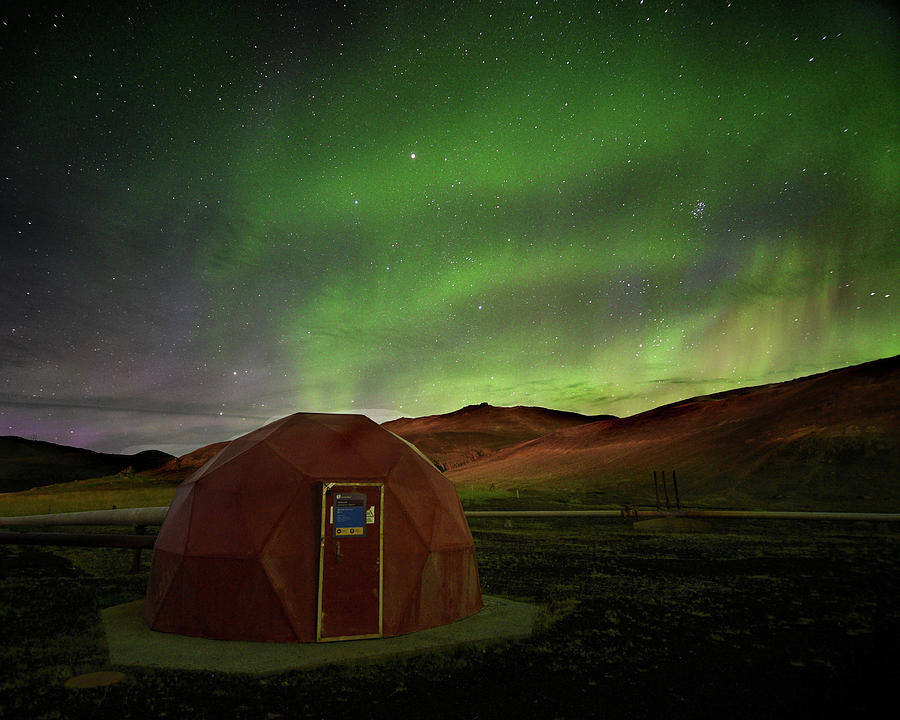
(349, 514)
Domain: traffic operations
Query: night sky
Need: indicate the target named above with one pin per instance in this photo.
(214, 214)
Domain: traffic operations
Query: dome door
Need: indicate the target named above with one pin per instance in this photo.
(350, 562)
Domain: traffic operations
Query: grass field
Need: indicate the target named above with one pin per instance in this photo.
(144, 490)
(115, 491)
(750, 619)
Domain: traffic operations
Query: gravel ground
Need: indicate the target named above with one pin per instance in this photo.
(749, 618)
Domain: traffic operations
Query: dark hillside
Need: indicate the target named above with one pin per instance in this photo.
(25, 464)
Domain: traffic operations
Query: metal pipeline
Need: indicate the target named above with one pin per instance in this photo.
(543, 513)
(762, 515)
(156, 515)
(121, 516)
(136, 542)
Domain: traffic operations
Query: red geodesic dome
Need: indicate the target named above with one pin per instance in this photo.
(238, 555)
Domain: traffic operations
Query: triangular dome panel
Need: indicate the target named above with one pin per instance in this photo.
(178, 519)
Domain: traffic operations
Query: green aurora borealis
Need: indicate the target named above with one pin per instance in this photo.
(254, 209)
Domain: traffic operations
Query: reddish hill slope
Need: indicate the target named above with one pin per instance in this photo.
(178, 469)
(828, 440)
(457, 438)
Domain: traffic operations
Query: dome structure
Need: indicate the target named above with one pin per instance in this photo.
(314, 527)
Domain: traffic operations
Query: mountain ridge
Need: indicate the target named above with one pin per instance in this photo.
(462, 436)
(25, 464)
(833, 436)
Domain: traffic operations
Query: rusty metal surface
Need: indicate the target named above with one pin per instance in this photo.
(351, 582)
(237, 556)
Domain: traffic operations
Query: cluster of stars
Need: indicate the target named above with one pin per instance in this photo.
(235, 212)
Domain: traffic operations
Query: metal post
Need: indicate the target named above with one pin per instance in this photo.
(675, 485)
(665, 489)
(656, 489)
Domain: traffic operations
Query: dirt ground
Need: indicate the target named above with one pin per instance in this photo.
(747, 619)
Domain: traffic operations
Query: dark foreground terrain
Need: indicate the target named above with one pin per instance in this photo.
(751, 619)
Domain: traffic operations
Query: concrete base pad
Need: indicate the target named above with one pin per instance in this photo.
(132, 642)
